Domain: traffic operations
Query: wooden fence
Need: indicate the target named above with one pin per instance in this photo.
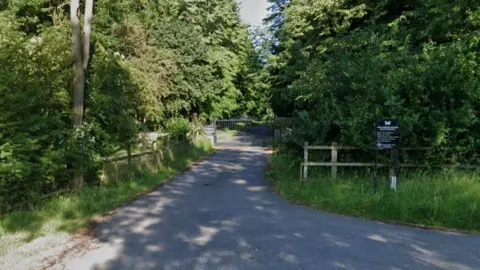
(114, 170)
(117, 169)
(334, 164)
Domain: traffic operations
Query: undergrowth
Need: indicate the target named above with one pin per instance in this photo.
(442, 198)
(70, 212)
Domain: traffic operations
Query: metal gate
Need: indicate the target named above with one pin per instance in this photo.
(242, 132)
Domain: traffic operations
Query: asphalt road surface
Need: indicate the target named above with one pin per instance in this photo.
(223, 215)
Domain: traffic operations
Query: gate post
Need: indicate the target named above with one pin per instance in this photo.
(305, 163)
(245, 131)
(214, 132)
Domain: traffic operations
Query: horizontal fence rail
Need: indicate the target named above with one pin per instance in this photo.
(113, 170)
(119, 169)
(334, 164)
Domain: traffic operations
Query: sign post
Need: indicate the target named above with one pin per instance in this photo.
(387, 138)
(210, 132)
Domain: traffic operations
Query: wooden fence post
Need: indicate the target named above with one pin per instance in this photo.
(154, 146)
(116, 172)
(334, 160)
(305, 165)
(129, 160)
(129, 155)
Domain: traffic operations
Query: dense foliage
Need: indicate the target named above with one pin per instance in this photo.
(157, 65)
(340, 65)
(151, 61)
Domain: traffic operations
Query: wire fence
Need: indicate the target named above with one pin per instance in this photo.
(118, 169)
(113, 170)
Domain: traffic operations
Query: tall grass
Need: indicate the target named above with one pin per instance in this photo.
(444, 198)
(72, 211)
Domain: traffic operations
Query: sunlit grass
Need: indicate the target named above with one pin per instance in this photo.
(442, 198)
(70, 212)
(227, 133)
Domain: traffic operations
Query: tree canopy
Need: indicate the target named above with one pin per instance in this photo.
(340, 65)
(150, 62)
(153, 65)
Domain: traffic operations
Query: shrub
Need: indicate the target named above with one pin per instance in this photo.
(179, 128)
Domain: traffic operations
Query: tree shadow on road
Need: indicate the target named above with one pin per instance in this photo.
(223, 215)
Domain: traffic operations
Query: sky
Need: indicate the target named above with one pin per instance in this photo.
(253, 11)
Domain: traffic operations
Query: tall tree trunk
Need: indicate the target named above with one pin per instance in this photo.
(87, 33)
(79, 79)
(81, 52)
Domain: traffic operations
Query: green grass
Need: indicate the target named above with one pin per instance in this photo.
(228, 134)
(445, 198)
(71, 212)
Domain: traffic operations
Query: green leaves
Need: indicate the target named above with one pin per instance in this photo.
(347, 63)
(151, 61)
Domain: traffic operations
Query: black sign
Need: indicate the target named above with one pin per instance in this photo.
(387, 135)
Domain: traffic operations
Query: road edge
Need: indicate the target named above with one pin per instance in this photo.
(390, 222)
(85, 236)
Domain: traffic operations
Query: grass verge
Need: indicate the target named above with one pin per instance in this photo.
(71, 212)
(440, 199)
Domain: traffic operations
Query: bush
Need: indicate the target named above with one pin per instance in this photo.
(39, 149)
(415, 62)
(179, 128)
(34, 112)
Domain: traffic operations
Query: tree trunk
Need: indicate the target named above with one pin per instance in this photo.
(87, 32)
(79, 77)
(81, 52)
